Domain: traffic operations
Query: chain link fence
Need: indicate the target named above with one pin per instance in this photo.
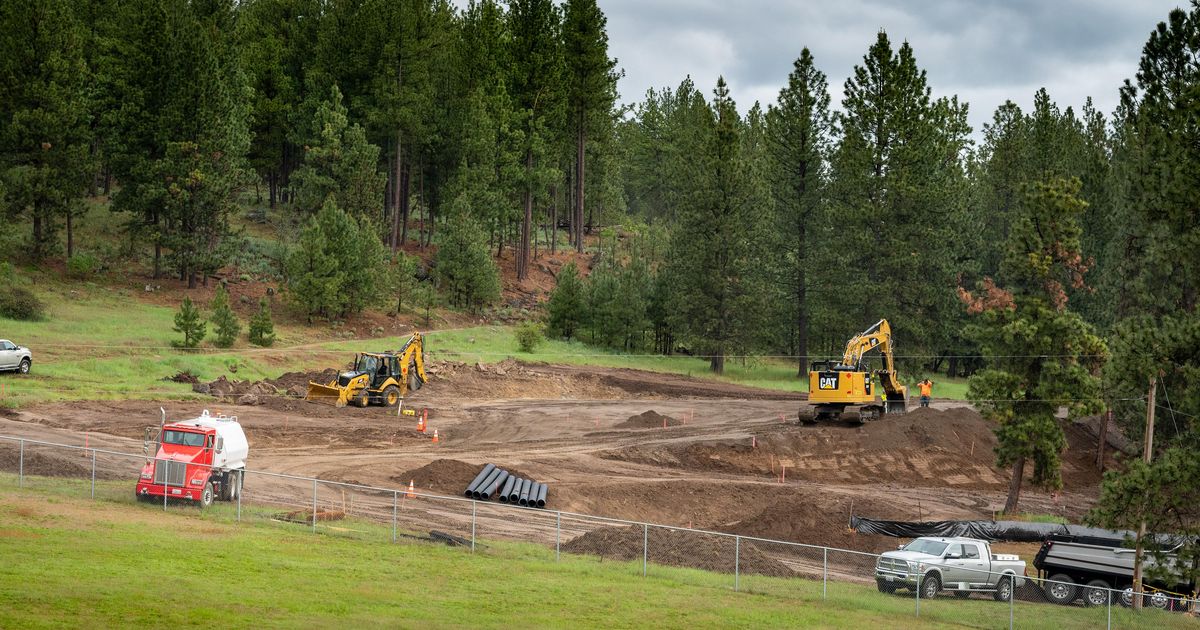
(974, 597)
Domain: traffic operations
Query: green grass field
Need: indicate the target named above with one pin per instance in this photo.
(71, 561)
(101, 343)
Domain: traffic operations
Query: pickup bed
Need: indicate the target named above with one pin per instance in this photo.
(959, 565)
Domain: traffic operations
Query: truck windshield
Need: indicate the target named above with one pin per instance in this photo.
(931, 547)
(183, 438)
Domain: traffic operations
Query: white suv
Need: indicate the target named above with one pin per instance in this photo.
(14, 357)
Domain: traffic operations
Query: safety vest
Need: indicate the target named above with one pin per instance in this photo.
(926, 388)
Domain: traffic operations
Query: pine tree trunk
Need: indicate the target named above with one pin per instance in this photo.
(527, 221)
(801, 323)
(553, 219)
(396, 239)
(70, 235)
(717, 363)
(1014, 486)
(272, 188)
(577, 222)
(191, 278)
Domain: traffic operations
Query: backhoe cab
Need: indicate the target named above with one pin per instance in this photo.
(381, 378)
(834, 387)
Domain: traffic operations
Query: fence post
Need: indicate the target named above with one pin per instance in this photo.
(825, 574)
(314, 528)
(737, 560)
(166, 483)
(474, 504)
(395, 501)
(21, 466)
(918, 613)
(241, 485)
(93, 473)
(557, 535)
(1012, 598)
(1111, 595)
(645, 545)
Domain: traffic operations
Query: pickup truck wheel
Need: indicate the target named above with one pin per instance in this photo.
(1096, 593)
(930, 587)
(1061, 589)
(206, 495)
(885, 587)
(1004, 589)
(24, 367)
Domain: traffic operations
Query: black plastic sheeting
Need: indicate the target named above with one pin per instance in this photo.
(1008, 531)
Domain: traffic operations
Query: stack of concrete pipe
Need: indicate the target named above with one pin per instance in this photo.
(493, 481)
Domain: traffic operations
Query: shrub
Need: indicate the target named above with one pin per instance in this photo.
(20, 303)
(262, 330)
(82, 266)
(529, 336)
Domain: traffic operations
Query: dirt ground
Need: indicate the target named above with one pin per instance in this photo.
(730, 458)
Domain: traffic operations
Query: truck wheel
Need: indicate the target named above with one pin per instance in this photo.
(1096, 593)
(24, 367)
(885, 587)
(1158, 599)
(930, 587)
(1061, 589)
(391, 396)
(235, 485)
(1004, 589)
(206, 495)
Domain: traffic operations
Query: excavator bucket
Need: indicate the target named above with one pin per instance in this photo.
(329, 394)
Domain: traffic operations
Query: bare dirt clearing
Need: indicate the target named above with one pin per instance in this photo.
(716, 465)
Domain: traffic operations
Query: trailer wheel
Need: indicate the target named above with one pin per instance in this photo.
(1096, 593)
(1061, 589)
(1004, 589)
(206, 495)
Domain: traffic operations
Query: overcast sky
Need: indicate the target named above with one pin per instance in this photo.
(985, 51)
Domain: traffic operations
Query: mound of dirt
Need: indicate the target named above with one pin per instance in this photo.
(648, 420)
(822, 520)
(44, 462)
(925, 447)
(183, 377)
(447, 476)
(676, 548)
(292, 384)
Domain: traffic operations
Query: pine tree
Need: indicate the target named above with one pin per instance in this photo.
(1042, 355)
(224, 320)
(336, 268)
(798, 130)
(189, 322)
(339, 163)
(45, 162)
(400, 278)
(262, 329)
(464, 268)
(536, 87)
(565, 308)
(591, 91)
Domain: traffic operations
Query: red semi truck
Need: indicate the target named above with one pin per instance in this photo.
(201, 460)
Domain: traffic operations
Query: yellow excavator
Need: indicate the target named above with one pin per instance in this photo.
(833, 387)
(381, 378)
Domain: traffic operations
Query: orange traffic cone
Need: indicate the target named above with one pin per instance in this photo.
(421, 424)
(435, 436)
(412, 492)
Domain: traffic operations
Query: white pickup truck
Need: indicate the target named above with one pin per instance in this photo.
(959, 565)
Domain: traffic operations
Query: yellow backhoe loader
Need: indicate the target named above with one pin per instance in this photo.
(381, 378)
(833, 387)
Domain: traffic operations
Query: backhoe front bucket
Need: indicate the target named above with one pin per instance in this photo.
(326, 394)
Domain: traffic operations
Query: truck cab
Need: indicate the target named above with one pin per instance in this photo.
(960, 565)
(201, 460)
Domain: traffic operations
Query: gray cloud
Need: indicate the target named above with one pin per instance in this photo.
(985, 51)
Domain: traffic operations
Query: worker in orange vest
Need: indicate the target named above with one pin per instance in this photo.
(926, 391)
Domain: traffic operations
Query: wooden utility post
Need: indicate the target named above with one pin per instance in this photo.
(1147, 454)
